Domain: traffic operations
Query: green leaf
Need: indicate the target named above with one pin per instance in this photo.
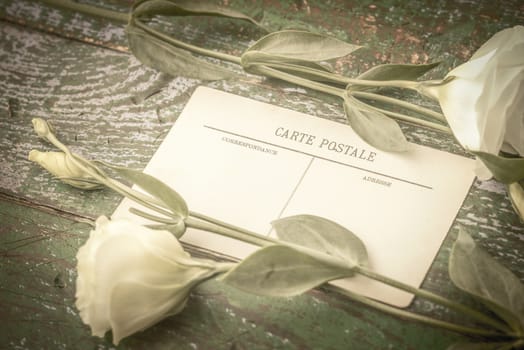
(169, 59)
(516, 195)
(504, 169)
(397, 71)
(156, 188)
(296, 46)
(280, 270)
(323, 235)
(82, 183)
(188, 8)
(477, 273)
(374, 127)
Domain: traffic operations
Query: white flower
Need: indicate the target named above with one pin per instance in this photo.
(131, 277)
(60, 165)
(483, 99)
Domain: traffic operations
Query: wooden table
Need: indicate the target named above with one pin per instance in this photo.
(75, 70)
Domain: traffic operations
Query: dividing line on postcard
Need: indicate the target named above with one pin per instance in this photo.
(318, 157)
(295, 189)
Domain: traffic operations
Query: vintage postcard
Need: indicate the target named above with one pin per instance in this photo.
(249, 163)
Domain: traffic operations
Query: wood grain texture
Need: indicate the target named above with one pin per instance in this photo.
(95, 96)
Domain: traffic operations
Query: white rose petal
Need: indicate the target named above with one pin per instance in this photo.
(514, 138)
(151, 303)
(130, 277)
(483, 99)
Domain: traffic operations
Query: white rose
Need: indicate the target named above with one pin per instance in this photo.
(60, 165)
(483, 99)
(131, 277)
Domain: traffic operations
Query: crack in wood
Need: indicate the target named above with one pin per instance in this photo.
(63, 34)
(46, 208)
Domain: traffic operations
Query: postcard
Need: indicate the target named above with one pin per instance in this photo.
(248, 163)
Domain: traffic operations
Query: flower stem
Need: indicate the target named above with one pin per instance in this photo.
(400, 103)
(413, 120)
(275, 73)
(155, 218)
(413, 316)
(89, 10)
(186, 46)
(403, 84)
(200, 224)
(245, 235)
(434, 298)
(342, 80)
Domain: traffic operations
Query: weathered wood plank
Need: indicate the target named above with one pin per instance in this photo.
(94, 97)
(97, 31)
